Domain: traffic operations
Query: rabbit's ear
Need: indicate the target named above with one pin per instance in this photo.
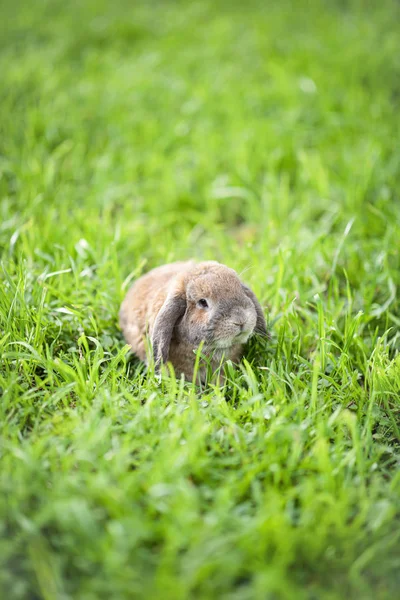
(173, 308)
(261, 326)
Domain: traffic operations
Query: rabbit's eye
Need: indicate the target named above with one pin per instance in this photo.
(202, 303)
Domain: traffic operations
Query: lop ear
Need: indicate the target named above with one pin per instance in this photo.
(261, 326)
(173, 308)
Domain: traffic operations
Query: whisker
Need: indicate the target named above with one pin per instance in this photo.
(246, 269)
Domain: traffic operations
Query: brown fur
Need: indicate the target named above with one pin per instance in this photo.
(164, 306)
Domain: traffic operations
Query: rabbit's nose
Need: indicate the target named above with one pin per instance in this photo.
(239, 319)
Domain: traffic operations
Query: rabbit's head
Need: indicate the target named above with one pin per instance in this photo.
(209, 304)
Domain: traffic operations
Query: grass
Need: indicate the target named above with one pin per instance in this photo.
(264, 136)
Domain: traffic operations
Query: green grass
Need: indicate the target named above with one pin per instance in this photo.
(261, 134)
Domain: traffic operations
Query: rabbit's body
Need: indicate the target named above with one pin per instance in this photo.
(184, 304)
(143, 302)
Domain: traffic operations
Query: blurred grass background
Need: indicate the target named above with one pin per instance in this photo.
(264, 135)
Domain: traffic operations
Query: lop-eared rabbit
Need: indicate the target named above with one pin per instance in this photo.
(182, 305)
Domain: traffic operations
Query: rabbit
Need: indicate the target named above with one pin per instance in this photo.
(184, 304)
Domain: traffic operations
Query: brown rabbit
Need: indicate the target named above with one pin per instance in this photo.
(183, 304)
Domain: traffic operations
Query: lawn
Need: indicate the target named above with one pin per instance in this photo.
(261, 134)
